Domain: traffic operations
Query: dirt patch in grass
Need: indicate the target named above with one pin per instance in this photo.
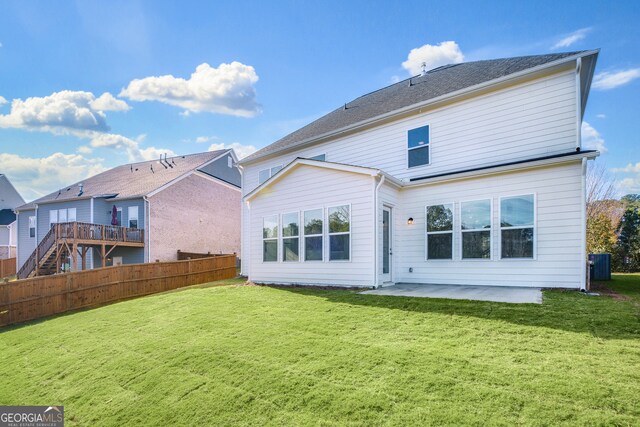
(604, 290)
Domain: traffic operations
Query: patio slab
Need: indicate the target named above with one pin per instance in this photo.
(510, 294)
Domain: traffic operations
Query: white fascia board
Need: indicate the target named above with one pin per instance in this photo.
(419, 106)
(308, 162)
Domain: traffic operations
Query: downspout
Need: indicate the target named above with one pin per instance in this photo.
(578, 105)
(375, 231)
(36, 239)
(583, 259)
(147, 224)
(244, 259)
(92, 222)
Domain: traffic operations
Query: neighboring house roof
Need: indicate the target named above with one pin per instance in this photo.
(130, 180)
(7, 216)
(436, 83)
(9, 196)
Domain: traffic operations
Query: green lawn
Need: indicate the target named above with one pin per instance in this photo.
(248, 355)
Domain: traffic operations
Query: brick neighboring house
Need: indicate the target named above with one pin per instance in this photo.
(9, 200)
(134, 213)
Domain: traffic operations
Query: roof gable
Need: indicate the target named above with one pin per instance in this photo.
(7, 216)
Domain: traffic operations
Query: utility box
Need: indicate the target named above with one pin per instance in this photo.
(600, 265)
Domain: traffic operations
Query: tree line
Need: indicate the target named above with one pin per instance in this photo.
(613, 224)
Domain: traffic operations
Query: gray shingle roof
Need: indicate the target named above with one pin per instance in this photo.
(437, 82)
(130, 180)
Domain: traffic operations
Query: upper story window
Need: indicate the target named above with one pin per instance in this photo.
(62, 215)
(418, 147)
(321, 157)
(32, 226)
(517, 228)
(265, 174)
(133, 217)
(229, 162)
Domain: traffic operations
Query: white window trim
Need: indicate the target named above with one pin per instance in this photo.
(453, 230)
(34, 226)
(282, 238)
(277, 239)
(491, 233)
(329, 234)
(304, 236)
(407, 149)
(535, 226)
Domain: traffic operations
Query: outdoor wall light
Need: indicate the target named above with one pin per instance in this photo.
(410, 221)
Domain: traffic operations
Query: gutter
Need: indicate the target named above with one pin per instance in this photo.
(147, 223)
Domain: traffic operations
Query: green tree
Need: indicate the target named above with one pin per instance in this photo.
(627, 251)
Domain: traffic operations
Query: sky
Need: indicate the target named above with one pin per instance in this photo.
(88, 85)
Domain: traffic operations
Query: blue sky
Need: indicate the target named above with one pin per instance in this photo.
(272, 67)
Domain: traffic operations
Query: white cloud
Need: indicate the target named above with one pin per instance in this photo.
(630, 185)
(35, 177)
(611, 80)
(630, 168)
(591, 138)
(572, 38)
(62, 113)
(107, 102)
(3, 100)
(433, 56)
(241, 150)
(227, 89)
(203, 139)
(132, 147)
(83, 149)
(601, 116)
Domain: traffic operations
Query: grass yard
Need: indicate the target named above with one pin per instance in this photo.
(248, 355)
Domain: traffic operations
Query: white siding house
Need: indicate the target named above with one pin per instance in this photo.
(468, 174)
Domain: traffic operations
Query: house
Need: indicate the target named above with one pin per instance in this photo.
(9, 200)
(470, 173)
(134, 213)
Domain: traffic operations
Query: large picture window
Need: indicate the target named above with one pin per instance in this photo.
(313, 230)
(270, 238)
(290, 237)
(475, 224)
(339, 233)
(418, 147)
(440, 231)
(517, 228)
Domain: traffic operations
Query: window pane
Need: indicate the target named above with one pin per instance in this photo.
(290, 224)
(516, 211)
(339, 247)
(270, 250)
(440, 218)
(133, 223)
(263, 176)
(313, 222)
(418, 137)
(339, 219)
(419, 156)
(275, 169)
(270, 227)
(320, 157)
(291, 249)
(517, 243)
(313, 248)
(439, 246)
(475, 215)
(476, 244)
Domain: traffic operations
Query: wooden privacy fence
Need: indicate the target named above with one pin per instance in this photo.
(38, 297)
(7, 267)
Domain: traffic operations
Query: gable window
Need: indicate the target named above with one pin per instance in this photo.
(475, 224)
(290, 237)
(440, 231)
(313, 228)
(32, 226)
(418, 147)
(321, 157)
(270, 238)
(339, 233)
(133, 217)
(265, 174)
(517, 229)
(229, 162)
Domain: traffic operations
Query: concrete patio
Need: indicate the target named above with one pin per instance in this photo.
(510, 294)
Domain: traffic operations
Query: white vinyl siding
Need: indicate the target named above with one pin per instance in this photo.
(534, 119)
(306, 189)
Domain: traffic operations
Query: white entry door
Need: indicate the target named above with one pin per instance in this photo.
(387, 250)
